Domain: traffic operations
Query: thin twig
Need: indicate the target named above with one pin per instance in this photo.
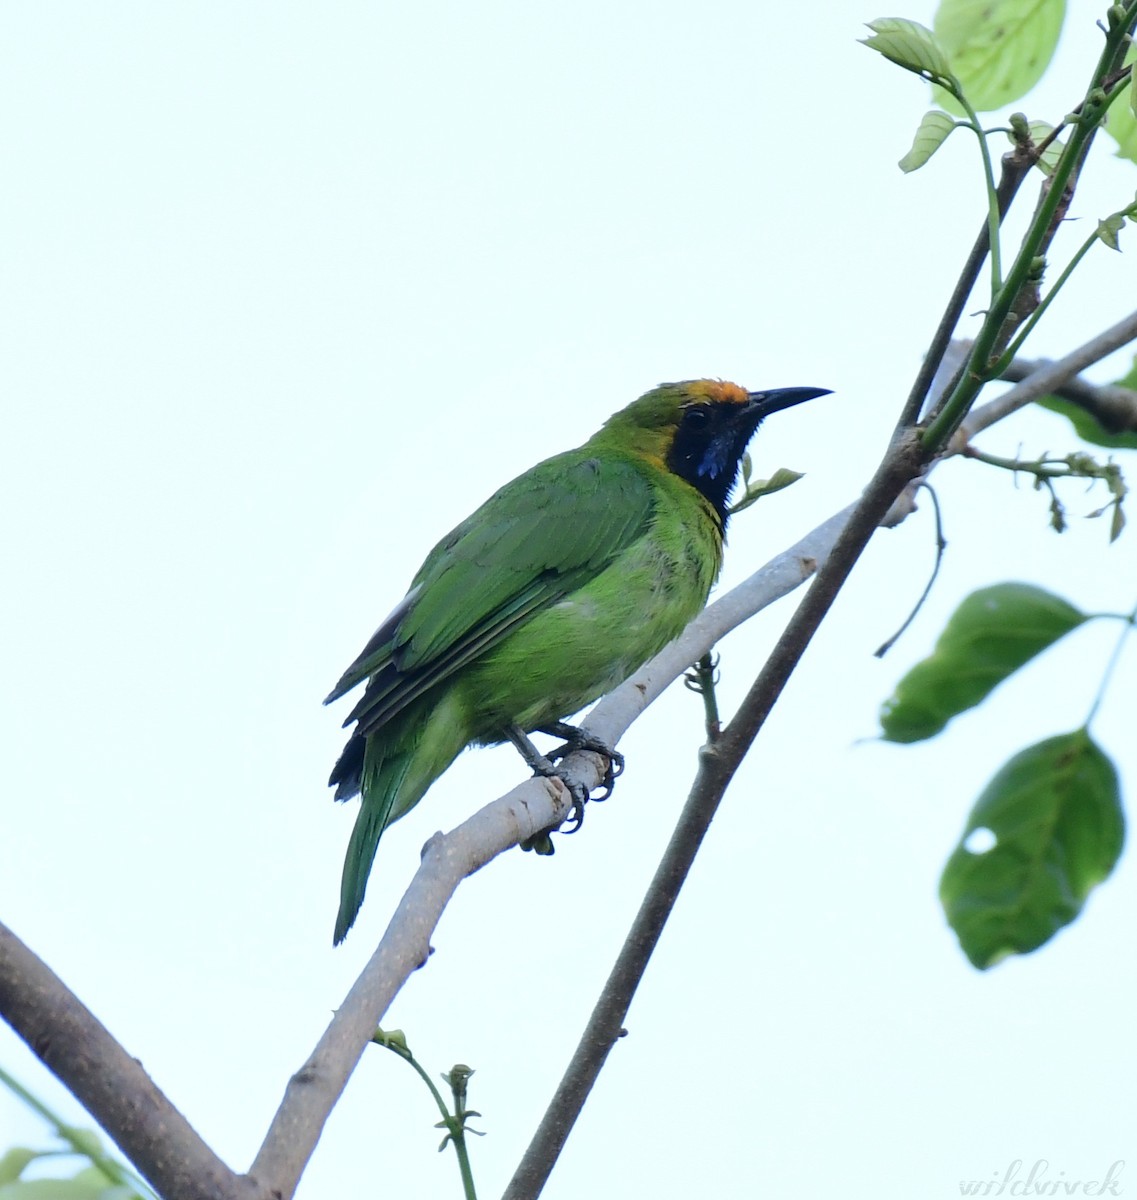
(941, 546)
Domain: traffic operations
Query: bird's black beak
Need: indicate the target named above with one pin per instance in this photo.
(762, 404)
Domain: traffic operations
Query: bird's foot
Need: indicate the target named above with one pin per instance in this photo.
(578, 739)
(540, 765)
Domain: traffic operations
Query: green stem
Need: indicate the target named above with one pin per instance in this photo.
(1016, 345)
(702, 680)
(454, 1124)
(81, 1142)
(1107, 675)
(459, 1140)
(980, 367)
(1042, 468)
(993, 216)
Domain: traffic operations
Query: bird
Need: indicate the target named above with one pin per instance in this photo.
(561, 585)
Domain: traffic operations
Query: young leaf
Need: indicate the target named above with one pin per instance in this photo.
(783, 477)
(988, 637)
(1110, 228)
(931, 135)
(998, 49)
(910, 45)
(1055, 814)
(1117, 523)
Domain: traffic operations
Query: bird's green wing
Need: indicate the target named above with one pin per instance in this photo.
(533, 542)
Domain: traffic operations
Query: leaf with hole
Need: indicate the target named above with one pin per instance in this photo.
(1055, 814)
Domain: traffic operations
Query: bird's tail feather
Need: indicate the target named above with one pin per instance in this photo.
(380, 790)
(396, 772)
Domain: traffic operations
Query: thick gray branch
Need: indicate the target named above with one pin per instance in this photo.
(77, 1047)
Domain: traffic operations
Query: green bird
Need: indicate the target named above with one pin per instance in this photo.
(561, 585)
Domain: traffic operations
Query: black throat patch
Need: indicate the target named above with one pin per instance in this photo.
(708, 448)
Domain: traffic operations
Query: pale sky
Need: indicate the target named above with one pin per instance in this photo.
(287, 290)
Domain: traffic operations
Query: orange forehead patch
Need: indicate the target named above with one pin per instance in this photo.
(718, 391)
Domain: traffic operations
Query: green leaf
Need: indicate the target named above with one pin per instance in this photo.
(1088, 427)
(931, 135)
(86, 1141)
(1121, 120)
(1121, 125)
(910, 45)
(757, 488)
(1109, 229)
(57, 1189)
(14, 1161)
(1117, 523)
(96, 1178)
(990, 635)
(1055, 815)
(998, 49)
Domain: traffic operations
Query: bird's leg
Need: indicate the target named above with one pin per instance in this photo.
(578, 739)
(534, 759)
(540, 765)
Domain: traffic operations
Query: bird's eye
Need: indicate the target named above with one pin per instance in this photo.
(696, 416)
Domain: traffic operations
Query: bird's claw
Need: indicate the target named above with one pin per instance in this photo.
(539, 764)
(578, 739)
(542, 843)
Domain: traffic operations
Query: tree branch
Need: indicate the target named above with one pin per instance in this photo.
(112, 1086)
(717, 766)
(166, 1149)
(902, 465)
(1048, 378)
(115, 1089)
(533, 806)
